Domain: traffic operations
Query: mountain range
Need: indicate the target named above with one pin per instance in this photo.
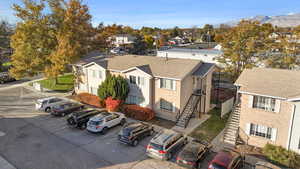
(290, 20)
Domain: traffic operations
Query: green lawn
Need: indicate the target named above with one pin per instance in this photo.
(64, 83)
(211, 127)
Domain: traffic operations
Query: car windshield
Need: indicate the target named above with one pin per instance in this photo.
(217, 166)
(96, 122)
(125, 132)
(156, 146)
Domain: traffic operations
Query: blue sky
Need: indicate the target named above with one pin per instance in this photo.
(169, 13)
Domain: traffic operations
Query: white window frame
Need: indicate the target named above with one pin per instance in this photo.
(170, 108)
(132, 99)
(93, 73)
(163, 83)
(100, 75)
(264, 103)
(94, 90)
(262, 131)
(131, 77)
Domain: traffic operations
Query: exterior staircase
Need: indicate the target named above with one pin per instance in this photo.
(183, 118)
(231, 132)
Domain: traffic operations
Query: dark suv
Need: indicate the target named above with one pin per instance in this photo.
(81, 117)
(65, 108)
(133, 132)
(5, 77)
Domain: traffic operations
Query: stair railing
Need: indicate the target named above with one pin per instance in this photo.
(187, 119)
(181, 112)
(230, 119)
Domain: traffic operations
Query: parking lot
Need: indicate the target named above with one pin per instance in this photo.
(35, 140)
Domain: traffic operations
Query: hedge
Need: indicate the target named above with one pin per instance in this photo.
(282, 156)
(138, 112)
(90, 99)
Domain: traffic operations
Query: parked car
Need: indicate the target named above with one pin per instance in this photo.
(227, 159)
(5, 77)
(63, 108)
(192, 154)
(46, 104)
(133, 132)
(81, 117)
(103, 121)
(165, 144)
(266, 165)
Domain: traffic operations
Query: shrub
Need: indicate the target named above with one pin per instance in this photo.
(90, 99)
(112, 104)
(138, 112)
(282, 156)
(115, 87)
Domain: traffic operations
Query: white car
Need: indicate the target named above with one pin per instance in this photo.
(103, 121)
(46, 104)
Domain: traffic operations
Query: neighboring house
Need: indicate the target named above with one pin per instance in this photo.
(270, 107)
(205, 55)
(122, 40)
(164, 85)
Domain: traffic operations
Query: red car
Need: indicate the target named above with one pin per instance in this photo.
(227, 160)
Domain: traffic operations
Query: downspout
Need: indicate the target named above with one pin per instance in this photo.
(292, 126)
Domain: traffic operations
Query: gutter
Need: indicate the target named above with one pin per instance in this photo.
(291, 128)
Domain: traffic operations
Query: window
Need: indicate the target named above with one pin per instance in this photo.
(265, 103)
(93, 72)
(134, 100)
(141, 81)
(165, 105)
(94, 90)
(100, 74)
(167, 84)
(132, 79)
(261, 131)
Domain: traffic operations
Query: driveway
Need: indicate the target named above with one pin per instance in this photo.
(30, 139)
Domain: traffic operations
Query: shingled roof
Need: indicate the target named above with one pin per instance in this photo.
(155, 66)
(270, 82)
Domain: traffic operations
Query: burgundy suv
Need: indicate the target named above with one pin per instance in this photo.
(227, 159)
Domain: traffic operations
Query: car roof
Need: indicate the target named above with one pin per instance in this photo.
(101, 116)
(133, 125)
(191, 150)
(47, 98)
(163, 136)
(224, 158)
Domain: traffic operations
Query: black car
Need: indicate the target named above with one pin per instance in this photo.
(65, 108)
(133, 132)
(81, 117)
(192, 154)
(5, 77)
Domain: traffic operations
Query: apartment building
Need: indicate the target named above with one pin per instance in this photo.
(270, 107)
(162, 84)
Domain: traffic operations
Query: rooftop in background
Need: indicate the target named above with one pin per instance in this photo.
(270, 82)
(198, 51)
(154, 66)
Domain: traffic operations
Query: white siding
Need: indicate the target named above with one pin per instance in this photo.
(295, 129)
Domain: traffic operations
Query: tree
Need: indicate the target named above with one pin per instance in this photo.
(115, 87)
(176, 31)
(242, 46)
(48, 42)
(72, 33)
(5, 33)
(31, 41)
(149, 40)
(139, 46)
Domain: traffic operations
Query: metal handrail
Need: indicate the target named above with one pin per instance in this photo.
(181, 112)
(189, 117)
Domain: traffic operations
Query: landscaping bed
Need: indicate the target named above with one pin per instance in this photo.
(211, 127)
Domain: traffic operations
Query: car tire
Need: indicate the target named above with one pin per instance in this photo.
(48, 109)
(151, 132)
(104, 130)
(83, 126)
(135, 143)
(122, 122)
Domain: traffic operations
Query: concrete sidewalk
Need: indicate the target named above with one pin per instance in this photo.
(5, 164)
